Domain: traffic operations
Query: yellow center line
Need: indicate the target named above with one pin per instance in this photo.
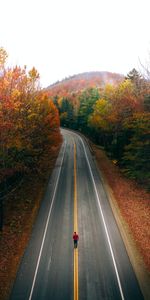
(76, 292)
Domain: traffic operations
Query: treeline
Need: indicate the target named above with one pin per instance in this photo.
(116, 118)
(29, 122)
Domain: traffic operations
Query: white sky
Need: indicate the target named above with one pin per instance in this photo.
(65, 37)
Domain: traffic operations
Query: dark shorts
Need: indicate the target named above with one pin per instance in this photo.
(75, 243)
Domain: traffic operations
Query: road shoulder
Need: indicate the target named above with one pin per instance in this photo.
(135, 256)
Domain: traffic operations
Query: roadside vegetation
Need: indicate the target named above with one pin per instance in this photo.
(116, 117)
(29, 127)
(133, 204)
(30, 140)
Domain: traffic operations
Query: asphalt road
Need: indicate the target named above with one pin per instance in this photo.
(103, 269)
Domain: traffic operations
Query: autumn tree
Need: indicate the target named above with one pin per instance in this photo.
(3, 57)
(140, 84)
(99, 121)
(28, 121)
(112, 116)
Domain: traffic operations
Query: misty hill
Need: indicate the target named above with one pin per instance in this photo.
(85, 80)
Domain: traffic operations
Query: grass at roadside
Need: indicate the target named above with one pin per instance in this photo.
(21, 208)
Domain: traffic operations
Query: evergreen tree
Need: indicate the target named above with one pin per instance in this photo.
(87, 100)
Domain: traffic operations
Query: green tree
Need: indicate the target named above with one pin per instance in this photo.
(140, 85)
(147, 103)
(87, 100)
(136, 159)
(66, 113)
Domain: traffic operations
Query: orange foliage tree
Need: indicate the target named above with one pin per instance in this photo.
(29, 121)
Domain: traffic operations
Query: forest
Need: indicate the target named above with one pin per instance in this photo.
(114, 116)
(29, 124)
(111, 110)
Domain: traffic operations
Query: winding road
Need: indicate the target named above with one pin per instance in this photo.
(75, 200)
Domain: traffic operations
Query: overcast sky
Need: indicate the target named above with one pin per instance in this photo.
(65, 37)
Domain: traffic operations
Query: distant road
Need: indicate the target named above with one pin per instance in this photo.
(75, 200)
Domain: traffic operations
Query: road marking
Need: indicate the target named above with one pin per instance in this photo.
(76, 290)
(46, 226)
(102, 215)
(49, 263)
(75, 191)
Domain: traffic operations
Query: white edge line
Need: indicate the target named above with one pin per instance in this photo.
(46, 226)
(106, 230)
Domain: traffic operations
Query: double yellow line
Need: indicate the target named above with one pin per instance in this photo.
(76, 293)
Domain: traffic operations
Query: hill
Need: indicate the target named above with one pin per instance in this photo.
(85, 80)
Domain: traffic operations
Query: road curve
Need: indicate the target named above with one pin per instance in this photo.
(50, 264)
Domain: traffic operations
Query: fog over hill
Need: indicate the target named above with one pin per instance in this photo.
(87, 79)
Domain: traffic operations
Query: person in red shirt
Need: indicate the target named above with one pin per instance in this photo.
(75, 238)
